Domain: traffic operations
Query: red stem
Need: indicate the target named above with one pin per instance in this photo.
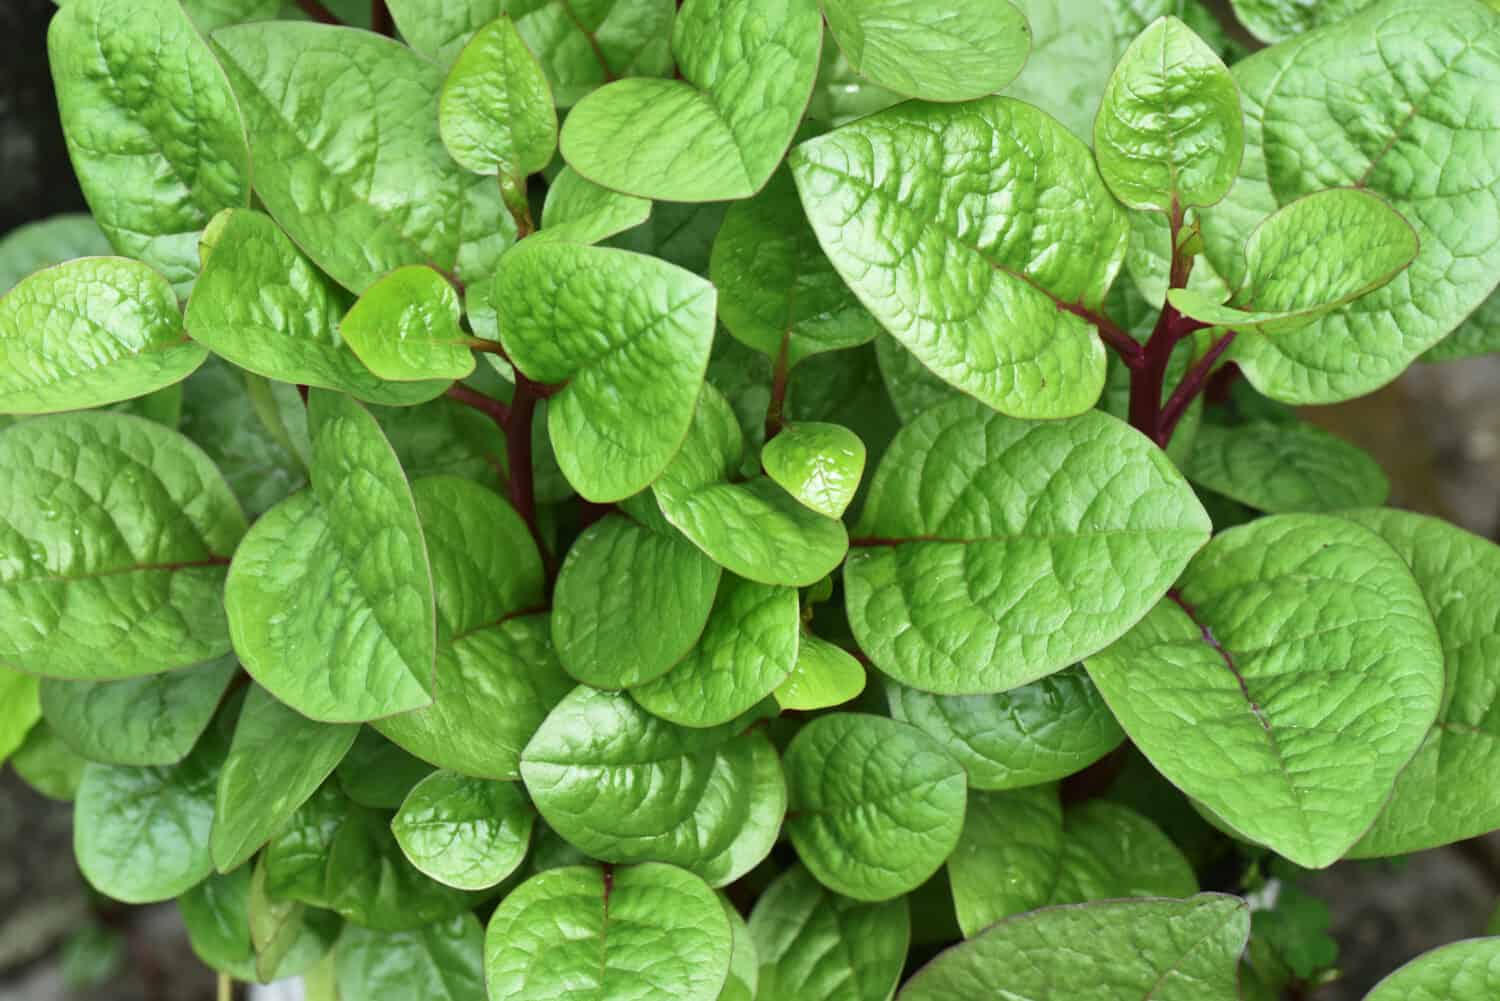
(778, 389)
(1128, 348)
(1192, 384)
(380, 19)
(518, 453)
(1148, 380)
(319, 13)
(496, 410)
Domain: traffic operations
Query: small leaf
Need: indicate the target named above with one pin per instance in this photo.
(443, 961)
(51, 241)
(579, 211)
(824, 675)
(405, 328)
(875, 806)
(1283, 468)
(1463, 971)
(20, 709)
(466, 833)
(495, 112)
(818, 464)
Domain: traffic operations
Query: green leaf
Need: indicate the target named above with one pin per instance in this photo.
(405, 328)
(153, 129)
(1277, 20)
(1110, 851)
(466, 833)
(48, 765)
(443, 961)
(1478, 335)
(1009, 856)
(1149, 263)
(610, 636)
(1040, 732)
(370, 883)
(140, 834)
(154, 720)
(1286, 684)
(1046, 542)
(347, 153)
(752, 528)
(817, 946)
(377, 773)
(649, 932)
(630, 336)
(956, 52)
(818, 464)
(777, 290)
(90, 332)
(744, 964)
(824, 675)
(289, 937)
(51, 241)
(216, 914)
(365, 650)
(625, 786)
(296, 859)
(679, 234)
(276, 762)
(219, 414)
(20, 709)
(911, 385)
(439, 29)
(1296, 929)
(841, 95)
(875, 806)
(1463, 971)
(1405, 147)
(980, 308)
(115, 534)
(1115, 950)
(748, 647)
(747, 69)
(1169, 133)
(495, 113)
(1284, 468)
(210, 15)
(579, 211)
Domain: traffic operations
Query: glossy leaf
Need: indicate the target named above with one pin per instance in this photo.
(439, 29)
(51, 241)
(495, 113)
(405, 328)
(296, 859)
(818, 464)
(1282, 468)
(466, 833)
(841, 95)
(443, 961)
(911, 385)
(47, 765)
(289, 937)
(579, 211)
(378, 773)
(1463, 971)
(371, 884)
(1478, 335)
(824, 675)
(221, 414)
(744, 964)
(1277, 20)
(216, 914)
(1110, 851)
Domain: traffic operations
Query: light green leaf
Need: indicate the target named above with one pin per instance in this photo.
(153, 720)
(875, 806)
(841, 95)
(1149, 264)
(752, 528)
(630, 336)
(1041, 732)
(824, 675)
(579, 211)
(276, 762)
(981, 308)
(648, 932)
(90, 332)
(20, 709)
(610, 636)
(911, 385)
(153, 130)
(747, 69)
(777, 290)
(818, 946)
(1277, 20)
(1281, 468)
(1479, 335)
(296, 859)
(466, 833)
(818, 464)
(1046, 541)
(347, 153)
(1169, 133)
(439, 29)
(211, 15)
(1111, 851)
(51, 241)
(115, 534)
(48, 765)
(1009, 856)
(443, 961)
(370, 883)
(744, 964)
(289, 937)
(377, 773)
(625, 786)
(953, 52)
(366, 649)
(495, 113)
(405, 328)
(1114, 950)
(1463, 971)
(1298, 658)
(748, 647)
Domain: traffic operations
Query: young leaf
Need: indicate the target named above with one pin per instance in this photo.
(1115, 950)
(579, 211)
(90, 332)
(815, 945)
(983, 309)
(466, 833)
(1050, 540)
(1298, 657)
(748, 647)
(20, 709)
(629, 335)
(625, 786)
(818, 464)
(875, 806)
(1169, 133)
(52, 241)
(443, 961)
(495, 113)
(1463, 971)
(117, 536)
(366, 649)
(584, 931)
(1284, 468)
(347, 154)
(370, 883)
(824, 675)
(613, 637)
(153, 129)
(405, 328)
(953, 52)
(747, 69)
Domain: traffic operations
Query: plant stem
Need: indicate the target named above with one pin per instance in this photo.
(774, 412)
(497, 411)
(1192, 384)
(315, 10)
(517, 427)
(1148, 379)
(380, 19)
(1111, 333)
(226, 988)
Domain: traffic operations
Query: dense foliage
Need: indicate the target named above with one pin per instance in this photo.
(718, 494)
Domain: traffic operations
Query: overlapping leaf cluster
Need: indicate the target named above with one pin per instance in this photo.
(437, 487)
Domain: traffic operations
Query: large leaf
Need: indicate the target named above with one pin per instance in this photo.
(817, 946)
(893, 199)
(747, 69)
(630, 335)
(1463, 971)
(625, 786)
(1169, 133)
(115, 534)
(1284, 467)
(347, 153)
(365, 649)
(443, 961)
(52, 241)
(648, 932)
(1286, 684)
(463, 832)
(495, 113)
(993, 552)
(1116, 950)
(153, 129)
(405, 328)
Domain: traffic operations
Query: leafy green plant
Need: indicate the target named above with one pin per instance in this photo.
(739, 496)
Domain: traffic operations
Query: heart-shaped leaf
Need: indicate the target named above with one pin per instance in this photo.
(495, 113)
(824, 675)
(405, 328)
(579, 211)
(818, 464)
(466, 833)
(56, 240)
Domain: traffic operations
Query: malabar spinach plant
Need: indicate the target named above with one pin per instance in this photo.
(624, 500)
